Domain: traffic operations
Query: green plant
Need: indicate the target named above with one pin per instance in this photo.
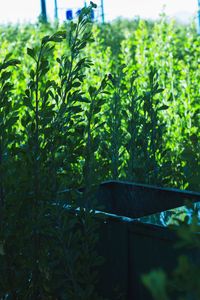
(47, 252)
(183, 282)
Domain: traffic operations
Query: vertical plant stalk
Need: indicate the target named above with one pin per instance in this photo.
(115, 126)
(133, 132)
(115, 135)
(6, 115)
(89, 156)
(72, 58)
(36, 184)
(1, 178)
(153, 139)
(37, 147)
(35, 96)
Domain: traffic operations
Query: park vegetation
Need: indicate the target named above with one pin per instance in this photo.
(81, 103)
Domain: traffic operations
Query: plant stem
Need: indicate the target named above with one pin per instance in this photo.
(1, 178)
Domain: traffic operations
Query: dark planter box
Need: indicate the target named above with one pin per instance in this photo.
(139, 200)
(130, 247)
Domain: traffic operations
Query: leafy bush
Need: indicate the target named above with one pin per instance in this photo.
(46, 252)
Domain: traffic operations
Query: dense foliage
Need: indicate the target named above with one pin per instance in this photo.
(79, 105)
(147, 124)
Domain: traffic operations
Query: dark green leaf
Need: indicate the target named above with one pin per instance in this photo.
(31, 53)
(163, 107)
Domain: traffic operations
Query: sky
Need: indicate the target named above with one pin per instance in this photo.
(28, 10)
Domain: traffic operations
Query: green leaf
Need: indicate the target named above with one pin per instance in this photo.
(92, 91)
(11, 121)
(57, 37)
(81, 45)
(84, 100)
(94, 5)
(45, 39)
(75, 109)
(32, 74)
(31, 53)
(158, 91)
(163, 107)
(5, 75)
(11, 62)
(76, 84)
(155, 281)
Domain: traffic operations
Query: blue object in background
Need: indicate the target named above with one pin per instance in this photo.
(78, 12)
(92, 14)
(69, 14)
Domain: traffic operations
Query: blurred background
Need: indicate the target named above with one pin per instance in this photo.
(29, 10)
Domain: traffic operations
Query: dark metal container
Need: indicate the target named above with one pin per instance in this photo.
(130, 247)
